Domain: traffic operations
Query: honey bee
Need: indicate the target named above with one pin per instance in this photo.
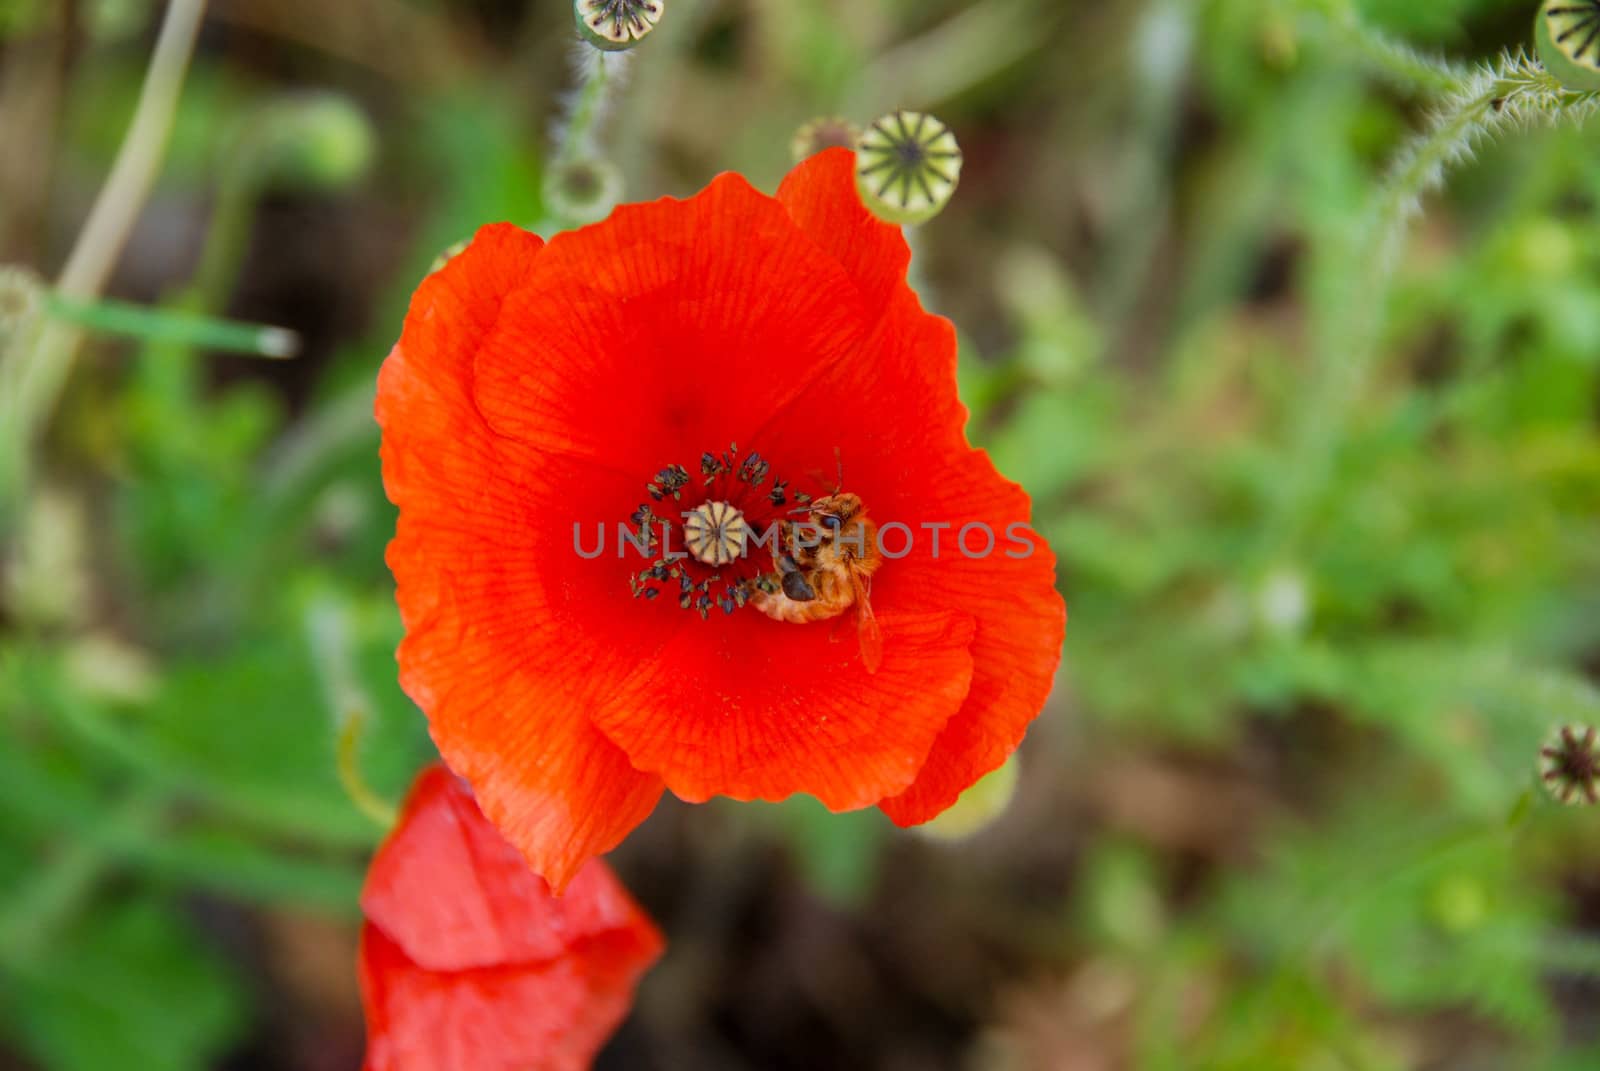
(826, 568)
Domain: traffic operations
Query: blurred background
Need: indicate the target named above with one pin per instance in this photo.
(1328, 538)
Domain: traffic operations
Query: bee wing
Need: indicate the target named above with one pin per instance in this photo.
(866, 625)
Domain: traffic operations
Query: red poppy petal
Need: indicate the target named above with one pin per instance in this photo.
(1021, 625)
(552, 784)
(449, 889)
(759, 709)
(457, 305)
(583, 370)
(504, 685)
(820, 194)
(551, 1016)
(912, 464)
(672, 328)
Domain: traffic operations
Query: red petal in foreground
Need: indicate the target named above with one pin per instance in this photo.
(468, 963)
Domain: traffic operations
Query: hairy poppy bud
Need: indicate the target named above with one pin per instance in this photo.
(308, 141)
(828, 132)
(907, 166)
(1567, 36)
(616, 25)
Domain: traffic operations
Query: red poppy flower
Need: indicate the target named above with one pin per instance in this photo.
(468, 963)
(541, 394)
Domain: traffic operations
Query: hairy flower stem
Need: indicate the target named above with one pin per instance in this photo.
(1395, 62)
(577, 137)
(580, 184)
(1400, 64)
(1514, 91)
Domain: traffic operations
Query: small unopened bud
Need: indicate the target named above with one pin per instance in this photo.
(1567, 37)
(584, 190)
(907, 166)
(616, 25)
(309, 141)
(1569, 765)
(829, 132)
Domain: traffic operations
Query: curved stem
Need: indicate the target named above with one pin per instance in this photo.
(1392, 60)
(32, 381)
(1516, 91)
(365, 798)
(328, 633)
(112, 217)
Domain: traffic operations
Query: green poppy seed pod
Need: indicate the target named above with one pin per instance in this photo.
(584, 190)
(1567, 36)
(616, 25)
(1569, 764)
(829, 132)
(907, 166)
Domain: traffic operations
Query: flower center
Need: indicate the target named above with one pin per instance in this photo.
(701, 530)
(716, 532)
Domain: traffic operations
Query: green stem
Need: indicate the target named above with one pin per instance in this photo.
(1401, 64)
(140, 321)
(367, 801)
(228, 236)
(1391, 60)
(579, 135)
(31, 383)
(328, 633)
(1516, 91)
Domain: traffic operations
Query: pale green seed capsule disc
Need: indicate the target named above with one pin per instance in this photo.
(616, 25)
(1567, 37)
(907, 167)
(581, 191)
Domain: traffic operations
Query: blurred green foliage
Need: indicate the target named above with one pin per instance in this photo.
(1152, 257)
